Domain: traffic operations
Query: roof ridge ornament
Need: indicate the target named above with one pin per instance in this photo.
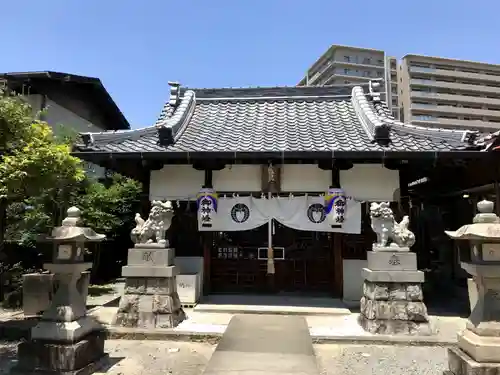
(374, 87)
(175, 93)
(376, 129)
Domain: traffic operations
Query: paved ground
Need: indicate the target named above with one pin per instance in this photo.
(264, 344)
(320, 326)
(380, 360)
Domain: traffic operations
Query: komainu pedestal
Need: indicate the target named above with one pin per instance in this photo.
(150, 297)
(392, 301)
(478, 349)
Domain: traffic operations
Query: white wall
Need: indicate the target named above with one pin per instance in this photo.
(370, 182)
(304, 178)
(238, 177)
(175, 182)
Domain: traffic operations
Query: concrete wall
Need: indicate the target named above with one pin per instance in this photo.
(58, 117)
(353, 282)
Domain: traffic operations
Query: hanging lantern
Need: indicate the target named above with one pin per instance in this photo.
(335, 207)
(206, 201)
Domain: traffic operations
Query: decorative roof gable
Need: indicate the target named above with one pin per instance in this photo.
(278, 119)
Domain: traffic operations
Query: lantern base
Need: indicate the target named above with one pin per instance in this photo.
(460, 363)
(46, 357)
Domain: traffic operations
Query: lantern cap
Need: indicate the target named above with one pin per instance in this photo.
(485, 225)
(71, 229)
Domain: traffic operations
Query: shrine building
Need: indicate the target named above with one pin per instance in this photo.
(291, 169)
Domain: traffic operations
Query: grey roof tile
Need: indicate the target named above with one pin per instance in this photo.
(275, 119)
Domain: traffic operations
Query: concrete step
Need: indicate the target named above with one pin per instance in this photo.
(264, 344)
(271, 304)
(271, 310)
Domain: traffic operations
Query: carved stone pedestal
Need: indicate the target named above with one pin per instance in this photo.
(392, 301)
(150, 298)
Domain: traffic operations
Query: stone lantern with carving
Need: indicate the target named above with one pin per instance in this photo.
(479, 344)
(66, 339)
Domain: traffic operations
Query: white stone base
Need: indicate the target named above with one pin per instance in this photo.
(64, 331)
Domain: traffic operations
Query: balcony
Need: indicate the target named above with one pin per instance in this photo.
(448, 109)
(455, 98)
(326, 69)
(457, 124)
(455, 86)
(456, 74)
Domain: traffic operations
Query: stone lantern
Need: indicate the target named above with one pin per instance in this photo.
(478, 348)
(66, 340)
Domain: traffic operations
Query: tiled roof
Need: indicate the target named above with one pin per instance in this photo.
(301, 119)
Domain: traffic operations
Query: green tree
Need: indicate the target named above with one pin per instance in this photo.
(109, 207)
(37, 170)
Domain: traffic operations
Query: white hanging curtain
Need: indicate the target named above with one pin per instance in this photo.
(239, 213)
(307, 213)
(300, 213)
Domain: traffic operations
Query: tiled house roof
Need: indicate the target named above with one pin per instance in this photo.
(286, 119)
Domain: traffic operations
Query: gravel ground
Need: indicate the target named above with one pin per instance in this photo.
(128, 357)
(336, 359)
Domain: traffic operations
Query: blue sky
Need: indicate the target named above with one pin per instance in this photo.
(135, 47)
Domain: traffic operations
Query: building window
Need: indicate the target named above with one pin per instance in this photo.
(347, 82)
(367, 73)
(347, 58)
(380, 62)
(379, 74)
(367, 60)
(347, 71)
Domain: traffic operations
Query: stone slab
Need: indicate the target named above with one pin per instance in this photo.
(376, 248)
(65, 331)
(393, 276)
(395, 327)
(392, 261)
(149, 271)
(40, 356)
(150, 245)
(38, 290)
(271, 344)
(150, 257)
(480, 348)
(460, 363)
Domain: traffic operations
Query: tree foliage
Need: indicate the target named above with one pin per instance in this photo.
(109, 208)
(37, 172)
(33, 160)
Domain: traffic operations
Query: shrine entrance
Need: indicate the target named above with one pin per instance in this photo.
(303, 261)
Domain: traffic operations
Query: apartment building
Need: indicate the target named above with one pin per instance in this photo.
(69, 101)
(344, 65)
(441, 92)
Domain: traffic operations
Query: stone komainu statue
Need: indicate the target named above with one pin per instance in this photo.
(154, 228)
(388, 231)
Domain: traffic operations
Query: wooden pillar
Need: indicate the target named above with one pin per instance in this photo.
(207, 240)
(145, 179)
(336, 246)
(404, 198)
